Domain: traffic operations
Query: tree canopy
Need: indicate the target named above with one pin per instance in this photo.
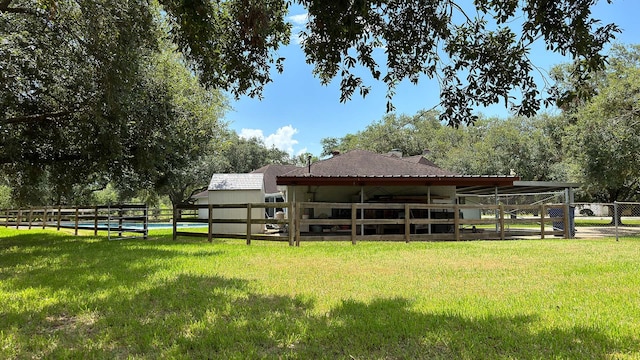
(478, 52)
(81, 96)
(530, 147)
(604, 141)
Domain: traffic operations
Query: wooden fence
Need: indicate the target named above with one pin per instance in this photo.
(187, 213)
(125, 220)
(386, 222)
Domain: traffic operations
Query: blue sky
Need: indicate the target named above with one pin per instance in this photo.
(296, 111)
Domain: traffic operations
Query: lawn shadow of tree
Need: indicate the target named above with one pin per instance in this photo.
(211, 316)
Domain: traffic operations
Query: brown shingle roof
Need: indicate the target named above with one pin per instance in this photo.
(419, 159)
(270, 173)
(366, 163)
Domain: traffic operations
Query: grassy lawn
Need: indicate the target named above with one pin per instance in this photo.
(85, 297)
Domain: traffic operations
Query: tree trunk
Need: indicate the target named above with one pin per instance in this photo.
(616, 216)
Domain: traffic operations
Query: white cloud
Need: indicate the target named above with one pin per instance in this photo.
(299, 20)
(282, 139)
(252, 133)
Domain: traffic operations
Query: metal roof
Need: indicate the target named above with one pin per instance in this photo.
(460, 181)
(517, 188)
(236, 182)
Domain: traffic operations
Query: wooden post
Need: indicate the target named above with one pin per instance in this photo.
(296, 222)
(18, 219)
(95, 221)
(291, 224)
(542, 210)
(76, 223)
(354, 230)
(567, 223)
(59, 216)
(249, 224)
(502, 237)
(210, 224)
(30, 217)
(407, 222)
(175, 221)
(120, 214)
(146, 222)
(44, 218)
(456, 222)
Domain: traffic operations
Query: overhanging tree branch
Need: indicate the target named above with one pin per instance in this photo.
(35, 117)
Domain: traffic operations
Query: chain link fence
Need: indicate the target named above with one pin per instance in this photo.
(619, 219)
(590, 220)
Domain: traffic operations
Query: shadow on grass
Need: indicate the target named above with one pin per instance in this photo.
(109, 302)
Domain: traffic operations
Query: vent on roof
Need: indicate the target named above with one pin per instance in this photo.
(335, 153)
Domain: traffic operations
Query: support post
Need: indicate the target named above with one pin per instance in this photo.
(362, 210)
(354, 216)
(296, 222)
(18, 219)
(30, 217)
(456, 222)
(44, 218)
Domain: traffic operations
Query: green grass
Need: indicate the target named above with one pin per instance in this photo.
(84, 297)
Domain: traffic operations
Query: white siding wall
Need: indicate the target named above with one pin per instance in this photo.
(236, 197)
(203, 213)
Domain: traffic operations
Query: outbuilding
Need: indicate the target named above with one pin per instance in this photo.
(236, 189)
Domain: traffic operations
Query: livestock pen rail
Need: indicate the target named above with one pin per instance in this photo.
(319, 221)
(120, 221)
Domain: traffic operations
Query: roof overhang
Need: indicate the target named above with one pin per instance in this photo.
(517, 188)
(459, 181)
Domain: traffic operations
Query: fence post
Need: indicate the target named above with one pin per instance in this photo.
(354, 230)
(292, 228)
(210, 224)
(249, 224)
(146, 222)
(567, 223)
(615, 218)
(76, 223)
(95, 221)
(175, 221)
(542, 210)
(120, 214)
(501, 209)
(18, 219)
(407, 222)
(44, 218)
